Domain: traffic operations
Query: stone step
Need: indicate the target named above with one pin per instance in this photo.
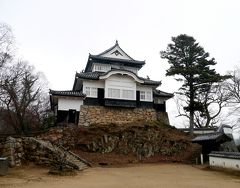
(80, 164)
(71, 158)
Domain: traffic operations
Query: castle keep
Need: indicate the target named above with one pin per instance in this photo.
(110, 90)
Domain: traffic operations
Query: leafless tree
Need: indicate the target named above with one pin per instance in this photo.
(211, 103)
(6, 50)
(22, 90)
(233, 87)
(22, 95)
(7, 42)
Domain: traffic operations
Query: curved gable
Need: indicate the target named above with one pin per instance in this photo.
(121, 72)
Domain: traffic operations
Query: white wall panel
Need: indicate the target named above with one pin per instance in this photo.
(97, 84)
(122, 83)
(67, 103)
(93, 85)
(101, 67)
(224, 162)
(146, 89)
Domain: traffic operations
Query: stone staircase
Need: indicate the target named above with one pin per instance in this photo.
(62, 155)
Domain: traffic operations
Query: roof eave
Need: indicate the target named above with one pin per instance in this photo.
(152, 84)
(64, 94)
(116, 59)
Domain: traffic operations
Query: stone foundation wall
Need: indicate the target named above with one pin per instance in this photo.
(106, 115)
(27, 149)
(12, 148)
(163, 117)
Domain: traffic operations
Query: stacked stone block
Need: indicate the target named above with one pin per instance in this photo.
(107, 115)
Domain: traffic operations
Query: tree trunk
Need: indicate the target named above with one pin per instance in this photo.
(191, 126)
(191, 122)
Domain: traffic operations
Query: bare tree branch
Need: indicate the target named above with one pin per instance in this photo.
(21, 94)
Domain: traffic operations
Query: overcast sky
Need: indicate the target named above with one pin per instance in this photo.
(56, 36)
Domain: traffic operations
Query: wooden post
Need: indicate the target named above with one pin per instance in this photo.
(201, 158)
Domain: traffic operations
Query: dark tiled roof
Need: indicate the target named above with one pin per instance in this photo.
(210, 137)
(109, 49)
(115, 59)
(231, 155)
(67, 93)
(199, 129)
(109, 60)
(89, 75)
(150, 82)
(117, 45)
(95, 76)
(159, 93)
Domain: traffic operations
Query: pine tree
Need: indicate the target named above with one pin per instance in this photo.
(190, 61)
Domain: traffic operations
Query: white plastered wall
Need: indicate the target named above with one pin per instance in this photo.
(120, 82)
(69, 103)
(224, 162)
(106, 67)
(101, 67)
(93, 84)
(146, 88)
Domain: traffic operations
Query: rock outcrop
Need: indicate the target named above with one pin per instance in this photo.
(143, 140)
(29, 149)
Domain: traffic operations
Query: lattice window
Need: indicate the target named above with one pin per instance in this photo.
(113, 93)
(88, 91)
(94, 91)
(142, 95)
(127, 94)
(91, 91)
(148, 95)
(101, 68)
(145, 95)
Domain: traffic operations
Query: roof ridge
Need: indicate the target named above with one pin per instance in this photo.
(125, 52)
(109, 49)
(115, 59)
(115, 45)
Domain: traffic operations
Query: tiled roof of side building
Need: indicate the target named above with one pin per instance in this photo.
(210, 137)
(150, 82)
(67, 93)
(159, 93)
(231, 155)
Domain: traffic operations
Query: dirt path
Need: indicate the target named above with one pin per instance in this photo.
(140, 176)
